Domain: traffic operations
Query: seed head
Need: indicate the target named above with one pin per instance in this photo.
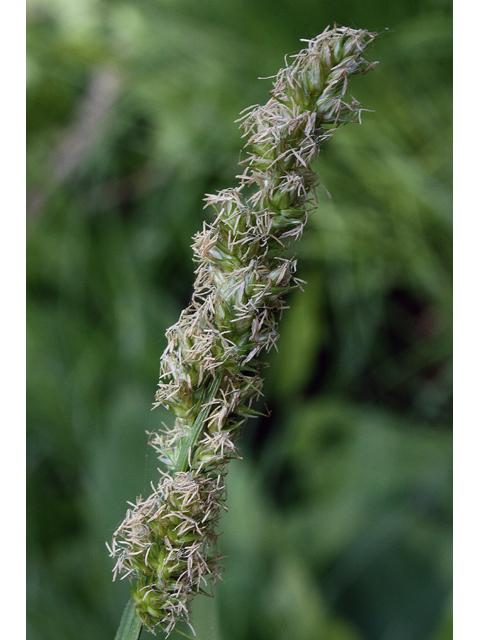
(210, 370)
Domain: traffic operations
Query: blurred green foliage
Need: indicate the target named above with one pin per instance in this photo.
(339, 522)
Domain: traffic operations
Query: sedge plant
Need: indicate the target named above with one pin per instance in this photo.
(210, 370)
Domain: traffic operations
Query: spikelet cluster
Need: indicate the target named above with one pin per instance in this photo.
(209, 372)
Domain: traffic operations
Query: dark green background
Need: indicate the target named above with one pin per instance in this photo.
(339, 522)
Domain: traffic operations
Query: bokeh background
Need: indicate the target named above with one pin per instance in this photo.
(339, 522)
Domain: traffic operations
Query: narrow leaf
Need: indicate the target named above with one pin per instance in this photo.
(130, 624)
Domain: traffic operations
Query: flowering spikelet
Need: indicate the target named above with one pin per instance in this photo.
(209, 372)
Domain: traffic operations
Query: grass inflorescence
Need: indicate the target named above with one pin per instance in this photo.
(210, 370)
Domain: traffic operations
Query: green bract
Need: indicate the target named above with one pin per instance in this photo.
(209, 372)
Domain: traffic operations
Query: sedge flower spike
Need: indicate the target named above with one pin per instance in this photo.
(209, 372)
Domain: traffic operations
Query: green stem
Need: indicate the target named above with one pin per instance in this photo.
(190, 440)
(185, 635)
(130, 624)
